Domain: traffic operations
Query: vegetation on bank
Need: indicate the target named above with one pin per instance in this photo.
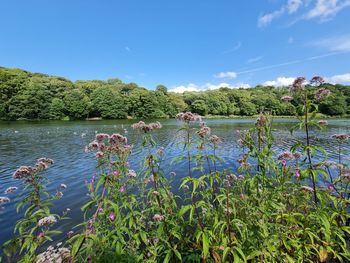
(289, 207)
(26, 95)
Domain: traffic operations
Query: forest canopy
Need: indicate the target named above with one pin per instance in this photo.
(26, 95)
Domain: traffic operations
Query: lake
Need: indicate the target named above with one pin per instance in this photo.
(22, 143)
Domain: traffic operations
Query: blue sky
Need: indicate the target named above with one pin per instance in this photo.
(183, 44)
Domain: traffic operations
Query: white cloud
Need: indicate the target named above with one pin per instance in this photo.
(228, 74)
(340, 43)
(339, 79)
(280, 82)
(291, 7)
(208, 86)
(294, 5)
(127, 49)
(327, 9)
(182, 89)
(253, 60)
(265, 20)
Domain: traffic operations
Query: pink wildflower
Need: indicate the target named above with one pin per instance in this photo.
(306, 189)
(11, 189)
(49, 220)
(188, 116)
(158, 218)
(4, 199)
(298, 84)
(341, 137)
(111, 216)
(297, 173)
(317, 80)
(101, 136)
(286, 98)
(23, 172)
(323, 122)
(99, 155)
(203, 131)
(322, 93)
(41, 235)
(215, 140)
(122, 189)
(131, 173)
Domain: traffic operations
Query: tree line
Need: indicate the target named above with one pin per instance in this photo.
(26, 95)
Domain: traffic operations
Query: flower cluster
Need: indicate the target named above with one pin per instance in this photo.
(4, 199)
(105, 143)
(204, 131)
(244, 163)
(286, 98)
(158, 217)
(306, 189)
(261, 120)
(52, 254)
(215, 140)
(46, 221)
(146, 127)
(289, 156)
(298, 84)
(326, 164)
(188, 116)
(322, 93)
(317, 80)
(131, 173)
(25, 171)
(341, 137)
(11, 189)
(323, 122)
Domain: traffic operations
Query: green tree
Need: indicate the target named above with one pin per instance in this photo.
(108, 104)
(77, 104)
(57, 109)
(333, 105)
(199, 106)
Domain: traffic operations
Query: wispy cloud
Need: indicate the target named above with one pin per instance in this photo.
(291, 7)
(233, 49)
(338, 43)
(291, 62)
(228, 75)
(327, 9)
(253, 60)
(323, 10)
(127, 49)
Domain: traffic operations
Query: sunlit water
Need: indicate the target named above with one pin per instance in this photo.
(22, 143)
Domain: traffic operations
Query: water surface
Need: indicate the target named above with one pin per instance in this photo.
(22, 143)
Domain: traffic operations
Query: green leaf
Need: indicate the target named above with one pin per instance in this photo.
(77, 244)
(205, 243)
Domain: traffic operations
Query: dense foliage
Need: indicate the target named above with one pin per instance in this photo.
(25, 95)
(290, 207)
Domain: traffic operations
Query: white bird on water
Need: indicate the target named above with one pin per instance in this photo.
(16, 131)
